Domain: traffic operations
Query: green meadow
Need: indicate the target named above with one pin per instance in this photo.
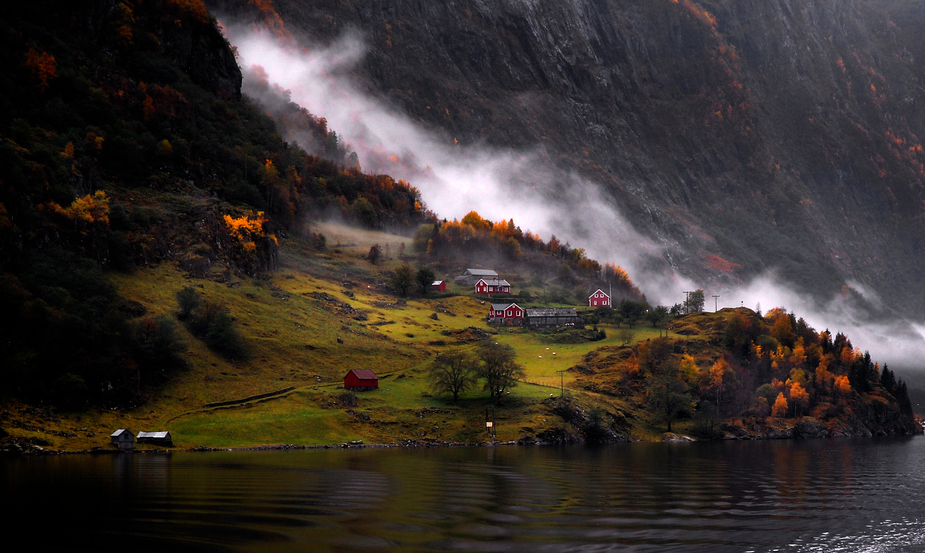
(308, 323)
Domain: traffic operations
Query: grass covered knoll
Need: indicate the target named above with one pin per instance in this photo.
(303, 326)
(738, 374)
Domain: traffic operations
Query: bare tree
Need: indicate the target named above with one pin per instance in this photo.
(453, 372)
(375, 253)
(626, 335)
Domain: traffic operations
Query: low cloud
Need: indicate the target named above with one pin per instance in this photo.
(454, 179)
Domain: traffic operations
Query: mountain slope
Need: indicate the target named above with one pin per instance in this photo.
(744, 136)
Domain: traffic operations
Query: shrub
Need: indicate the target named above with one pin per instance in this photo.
(223, 338)
(189, 299)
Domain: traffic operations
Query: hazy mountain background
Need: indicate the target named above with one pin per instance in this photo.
(742, 137)
(741, 147)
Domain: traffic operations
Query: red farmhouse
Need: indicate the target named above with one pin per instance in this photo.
(361, 379)
(505, 313)
(599, 299)
(492, 286)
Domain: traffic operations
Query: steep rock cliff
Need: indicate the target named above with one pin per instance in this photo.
(745, 136)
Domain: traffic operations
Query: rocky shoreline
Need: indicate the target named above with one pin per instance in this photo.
(803, 429)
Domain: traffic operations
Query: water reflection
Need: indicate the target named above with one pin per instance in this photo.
(829, 495)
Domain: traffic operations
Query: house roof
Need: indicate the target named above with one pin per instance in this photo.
(119, 432)
(363, 374)
(162, 434)
(552, 312)
(437, 283)
(495, 282)
(601, 291)
(503, 306)
(482, 272)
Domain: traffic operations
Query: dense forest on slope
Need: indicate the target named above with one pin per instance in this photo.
(746, 136)
(743, 374)
(125, 140)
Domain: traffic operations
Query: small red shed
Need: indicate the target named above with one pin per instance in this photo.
(361, 379)
(439, 285)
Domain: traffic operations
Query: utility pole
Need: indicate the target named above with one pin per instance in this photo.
(715, 303)
(687, 302)
(561, 383)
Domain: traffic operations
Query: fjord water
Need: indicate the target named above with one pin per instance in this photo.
(818, 495)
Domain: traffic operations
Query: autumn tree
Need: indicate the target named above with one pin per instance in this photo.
(42, 66)
(88, 216)
(842, 386)
(498, 368)
(452, 373)
(779, 409)
(717, 377)
(739, 335)
(781, 326)
(252, 247)
(799, 397)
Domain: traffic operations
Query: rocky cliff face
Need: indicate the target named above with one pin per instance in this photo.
(744, 135)
(184, 31)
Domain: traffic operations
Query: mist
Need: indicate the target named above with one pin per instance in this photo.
(502, 184)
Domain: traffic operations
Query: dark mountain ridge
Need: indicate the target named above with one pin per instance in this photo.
(745, 137)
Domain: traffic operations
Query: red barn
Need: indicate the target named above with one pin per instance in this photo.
(439, 285)
(599, 299)
(361, 379)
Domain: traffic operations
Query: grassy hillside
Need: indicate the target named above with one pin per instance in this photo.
(306, 325)
(321, 314)
(162, 266)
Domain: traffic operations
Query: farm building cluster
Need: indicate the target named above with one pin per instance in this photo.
(489, 282)
(124, 439)
(511, 314)
(485, 281)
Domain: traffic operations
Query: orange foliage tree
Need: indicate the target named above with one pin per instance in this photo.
(779, 410)
(42, 66)
(252, 247)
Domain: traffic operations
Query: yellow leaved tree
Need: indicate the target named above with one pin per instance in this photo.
(251, 247)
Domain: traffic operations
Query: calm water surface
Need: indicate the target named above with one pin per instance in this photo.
(826, 495)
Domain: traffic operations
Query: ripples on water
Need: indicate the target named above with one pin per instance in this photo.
(810, 496)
